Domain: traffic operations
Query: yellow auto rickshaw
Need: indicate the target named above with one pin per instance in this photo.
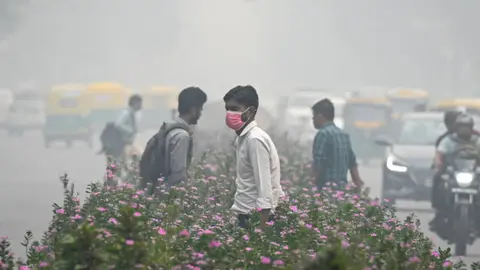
(106, 101)
(469, 105)
(407, 100)
(67, 115)
(159, 105)
(364, 119)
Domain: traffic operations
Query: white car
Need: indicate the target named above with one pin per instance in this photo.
(25, 115)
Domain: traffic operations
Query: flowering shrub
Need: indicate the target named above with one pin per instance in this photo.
(191, 227)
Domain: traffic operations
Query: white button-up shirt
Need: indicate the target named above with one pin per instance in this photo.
(258, 171)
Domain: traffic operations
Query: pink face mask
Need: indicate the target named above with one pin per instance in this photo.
(234, 120)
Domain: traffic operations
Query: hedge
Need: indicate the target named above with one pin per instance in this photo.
(191, 226)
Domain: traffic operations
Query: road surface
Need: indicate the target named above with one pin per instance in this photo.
(29, 177)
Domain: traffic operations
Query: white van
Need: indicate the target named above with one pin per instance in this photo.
(27, 112)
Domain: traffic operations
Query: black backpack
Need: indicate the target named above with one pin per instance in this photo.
(112, 140)
(152, 163)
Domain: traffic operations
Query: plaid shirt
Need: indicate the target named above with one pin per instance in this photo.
(332, 154)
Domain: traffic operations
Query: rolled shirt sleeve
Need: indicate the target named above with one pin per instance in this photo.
(179, 146)
(444, 146)
(260, 161)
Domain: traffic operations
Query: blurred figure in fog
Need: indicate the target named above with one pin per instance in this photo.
(333, 155)
(127, 124)
(178, 141)
(449, 118)
(258, 163)
(461, 136)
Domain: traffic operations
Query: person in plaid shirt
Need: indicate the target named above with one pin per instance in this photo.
(333, 156)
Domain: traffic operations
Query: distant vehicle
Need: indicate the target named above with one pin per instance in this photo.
(27, 112)
(6, 100)
(296, 111)
(468, 105)
(406, 170)
(407, 100)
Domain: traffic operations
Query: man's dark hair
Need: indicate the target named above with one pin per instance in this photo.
(325, 107)
(134, 99)
(191, 97)
(243, 94)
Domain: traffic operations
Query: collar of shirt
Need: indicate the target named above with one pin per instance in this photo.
(328, 124)
(248, 128)
(181, 121)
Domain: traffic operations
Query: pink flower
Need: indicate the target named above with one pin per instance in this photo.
(447, 264)
(206, 232)
(23, 267)
(265, 260)
(214, 243)
(43, 264)
(293, 208)
(184, 233)
(414, 259)
(373, 234)
(77, 217)
(345, 244)
(246, 238)
(101, 209)
(60, 211)
(113, 221)
(161, 231)
(248, 249)
(137, 214)
(435, 254)
(129, 242)
(278, 262)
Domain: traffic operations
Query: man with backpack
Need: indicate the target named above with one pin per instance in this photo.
(168, 153)
(119, 135)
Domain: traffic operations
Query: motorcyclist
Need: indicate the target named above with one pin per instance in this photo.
(460, 135)
(449, 118)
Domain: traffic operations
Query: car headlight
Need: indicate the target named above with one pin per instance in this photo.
(394, 165)
(464, 179)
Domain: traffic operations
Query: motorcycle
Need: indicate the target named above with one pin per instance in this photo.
(462, 184)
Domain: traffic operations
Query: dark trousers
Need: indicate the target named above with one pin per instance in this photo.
(438, 192)
(244, 219)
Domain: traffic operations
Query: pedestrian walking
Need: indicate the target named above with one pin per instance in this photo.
(258, 164)
(332, 151)
(116, 136)
(168, 153)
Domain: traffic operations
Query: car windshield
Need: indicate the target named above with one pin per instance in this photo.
(365, 112)
(403, 105)
(420, 131)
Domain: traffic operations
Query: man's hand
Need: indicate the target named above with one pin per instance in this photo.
(359, 183)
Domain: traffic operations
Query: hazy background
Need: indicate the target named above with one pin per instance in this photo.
(276, 45)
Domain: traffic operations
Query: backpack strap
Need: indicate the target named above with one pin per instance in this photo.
(168, 128)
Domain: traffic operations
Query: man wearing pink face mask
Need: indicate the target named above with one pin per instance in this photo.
(258, 163)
